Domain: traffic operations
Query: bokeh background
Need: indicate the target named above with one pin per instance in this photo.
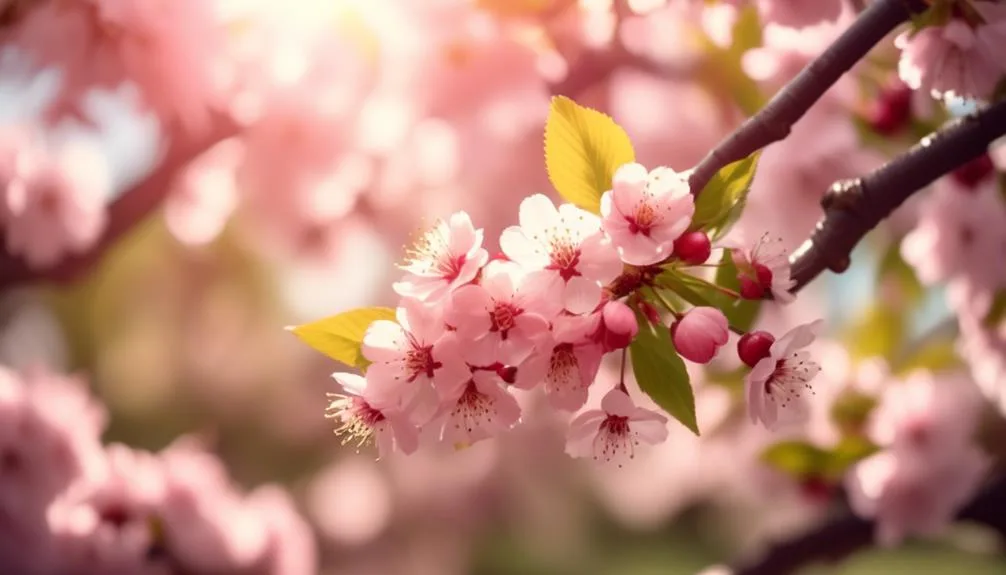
(391, 113)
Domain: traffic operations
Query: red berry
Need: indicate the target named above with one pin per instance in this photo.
(892, 111)
(974, 172)
(693, 248)
(754, 346)
(751, 289)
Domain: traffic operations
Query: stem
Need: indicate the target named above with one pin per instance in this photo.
(621, 375)
(776, 119)
(854, 207)
(842, 537)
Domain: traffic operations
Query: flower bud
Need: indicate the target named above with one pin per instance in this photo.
(617, 328)
(754, 346)
(892, 111)
(699, 334)
(974, 172)
(693, 248)
(754, 286)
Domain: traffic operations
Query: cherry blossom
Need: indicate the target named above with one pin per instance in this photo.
(360, 422)
(956, 59)
(408, 356)
(799, 13)
(645, 212)
(565, 363)
(478, 409)
(59, 207)
(503, 317)
(762, 268)
(568, 242)
(612, 434)
(444, 259)
(778, 385)
(699, 334)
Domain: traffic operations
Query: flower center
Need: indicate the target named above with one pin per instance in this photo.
(562, 372)
(788, 381)
(431, 254)
(643, 220)
(564, 258)
(419, 361)
(358, 419)
(504, 317)
(472, 409)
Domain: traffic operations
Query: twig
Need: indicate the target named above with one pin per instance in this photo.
(132, 207)
(840, 538)
(776, 119)
(854, 207)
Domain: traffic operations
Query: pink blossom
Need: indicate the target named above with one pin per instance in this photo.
(764, 267)
(409, 356)
(645, 212)
(568, 242)
(565, 363)
(205, 194)
(361, 422)
(955, 59)
(502, 318)
(291, 549)
(913, 496)
(613, 432)
(444, 259)
(60, 208)
(799, 13)
(699, 334)
(959, 232)
(478, 409)
(777, 384)
(168, 49)
(615, 326)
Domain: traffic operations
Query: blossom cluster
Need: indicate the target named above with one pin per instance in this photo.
(70, 505)
(567, 288)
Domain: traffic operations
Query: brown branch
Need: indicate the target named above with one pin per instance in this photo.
(132, 207)
(842, 537)
(854, 207)
(776, 119)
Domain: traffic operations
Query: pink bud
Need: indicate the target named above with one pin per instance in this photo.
(699, 334)
(754, 346)
(693, 248)
(617, 328)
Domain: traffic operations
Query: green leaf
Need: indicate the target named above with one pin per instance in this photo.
(938, 355)
(851, 410)
(796, 458)
(340, 336)
(894, 268)
(802, 460)
(722, 200)
(661, 374)
(583, 148)
(879, 332)
(741, 313)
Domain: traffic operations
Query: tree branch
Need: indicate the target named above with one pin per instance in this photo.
(837, 540)
(132, 207)
(776, 119)
(854, 207)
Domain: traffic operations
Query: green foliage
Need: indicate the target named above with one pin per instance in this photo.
(340, 336)
(723, 72)
(803, 460)
(722, 200)
(740, 313)
(879, 332)
(937, 355)
(699, 292)
(583, 148)
(661, 374)
(851, 410)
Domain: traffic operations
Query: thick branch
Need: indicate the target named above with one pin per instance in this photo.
(837, 540)
(776, 119)
(854, 207)
(132, 207)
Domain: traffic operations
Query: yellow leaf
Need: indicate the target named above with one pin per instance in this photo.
(583, 148)
(340, 336)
